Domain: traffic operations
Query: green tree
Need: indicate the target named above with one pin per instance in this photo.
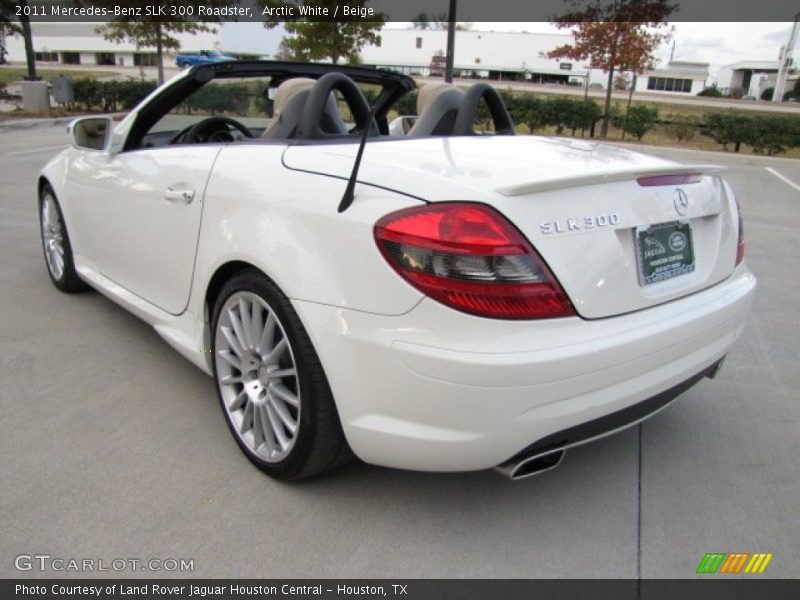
(683, 128)
(319, 40)
(583, 115)
(7, 25)
(730, 128)
(638, 120)
(406, 105)
(151, 32)
(8, 10)
(421, 21)
(533, 112)
(794, 92)
(425, 21)
(619, 35)
(286, 53)
(773, 134)
(712, 91)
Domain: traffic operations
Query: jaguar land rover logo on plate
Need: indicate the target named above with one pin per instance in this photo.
(681, 201)
(677, 241)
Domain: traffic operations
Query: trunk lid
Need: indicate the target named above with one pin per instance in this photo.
(606, 237)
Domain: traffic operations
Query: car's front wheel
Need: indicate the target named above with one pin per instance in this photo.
(270, 383)
(56, 244)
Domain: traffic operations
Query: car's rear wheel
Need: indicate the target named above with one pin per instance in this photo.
(56, 244)
(270, 383)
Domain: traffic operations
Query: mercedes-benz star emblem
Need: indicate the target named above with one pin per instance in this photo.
(681, 201)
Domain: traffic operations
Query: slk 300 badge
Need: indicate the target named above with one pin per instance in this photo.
(579, 223)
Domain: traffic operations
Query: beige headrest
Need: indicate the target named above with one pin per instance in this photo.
(429, 92)
(288, 89)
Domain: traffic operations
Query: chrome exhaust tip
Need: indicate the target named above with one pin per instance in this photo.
(522, 468)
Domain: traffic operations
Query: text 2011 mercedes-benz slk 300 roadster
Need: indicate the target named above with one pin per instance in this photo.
(407, 290)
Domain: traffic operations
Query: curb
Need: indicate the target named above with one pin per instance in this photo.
(20, 124)
(739, 158)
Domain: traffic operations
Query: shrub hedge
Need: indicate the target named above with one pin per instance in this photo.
(765, 133)
(109, 96)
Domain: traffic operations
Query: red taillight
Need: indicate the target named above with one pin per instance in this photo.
(470, 258)
(740, 241)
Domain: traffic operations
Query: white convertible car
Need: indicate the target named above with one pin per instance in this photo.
(414, 293)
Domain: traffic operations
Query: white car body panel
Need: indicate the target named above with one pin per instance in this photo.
(141, 240)
(434, 391)
(537, 172)
(441, 169)
(417, 384)
(285, 223)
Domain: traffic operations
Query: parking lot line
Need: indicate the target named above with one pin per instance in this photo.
(784, 179)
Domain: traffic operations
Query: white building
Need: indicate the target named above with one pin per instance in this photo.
(521, 56)
(484, 54)
(678, 77)
(769, 81)
(477, 54)
(746, 77)
(80, 44)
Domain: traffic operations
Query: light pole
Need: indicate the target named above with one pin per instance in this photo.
(451, 42)
(785, 62)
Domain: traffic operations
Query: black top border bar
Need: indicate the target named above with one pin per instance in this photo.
(387, 10)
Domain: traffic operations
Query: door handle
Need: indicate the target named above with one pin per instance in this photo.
(179, 196)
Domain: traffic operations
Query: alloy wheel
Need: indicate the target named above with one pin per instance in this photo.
(257, 376)
(52, 237)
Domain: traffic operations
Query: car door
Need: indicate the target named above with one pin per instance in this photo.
(143, 209)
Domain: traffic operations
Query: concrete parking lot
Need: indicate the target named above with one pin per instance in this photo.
(114, 446)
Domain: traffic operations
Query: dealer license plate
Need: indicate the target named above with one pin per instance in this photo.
(664, 251)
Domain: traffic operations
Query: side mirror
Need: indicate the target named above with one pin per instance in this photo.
(91, 133)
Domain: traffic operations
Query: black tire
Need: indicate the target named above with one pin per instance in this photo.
(319, 444)
(68, 281)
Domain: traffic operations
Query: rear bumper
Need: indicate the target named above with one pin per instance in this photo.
(438, 390)
(555, 443)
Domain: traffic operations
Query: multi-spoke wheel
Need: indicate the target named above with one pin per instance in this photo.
(51, 237)
(271, 386)
(56, 244)
(257, 376)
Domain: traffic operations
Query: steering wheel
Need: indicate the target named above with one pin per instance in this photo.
(310, 126)
(468, 110)
(212, 129)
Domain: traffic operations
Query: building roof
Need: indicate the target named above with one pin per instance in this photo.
(754, 65)
(681, 69)
(689, 63)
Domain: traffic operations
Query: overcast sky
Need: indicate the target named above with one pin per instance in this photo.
(717, 43)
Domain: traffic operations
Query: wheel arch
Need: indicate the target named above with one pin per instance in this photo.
(212, 290)
(42, 181)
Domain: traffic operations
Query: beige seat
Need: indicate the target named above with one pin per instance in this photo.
(290, 99)
(437, 106)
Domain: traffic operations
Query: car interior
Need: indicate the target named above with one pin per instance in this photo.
(310, 104)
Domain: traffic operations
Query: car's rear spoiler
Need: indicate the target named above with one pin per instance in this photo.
(624, 174)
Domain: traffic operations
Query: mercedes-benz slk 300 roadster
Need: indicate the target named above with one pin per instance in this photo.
(407, 290)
